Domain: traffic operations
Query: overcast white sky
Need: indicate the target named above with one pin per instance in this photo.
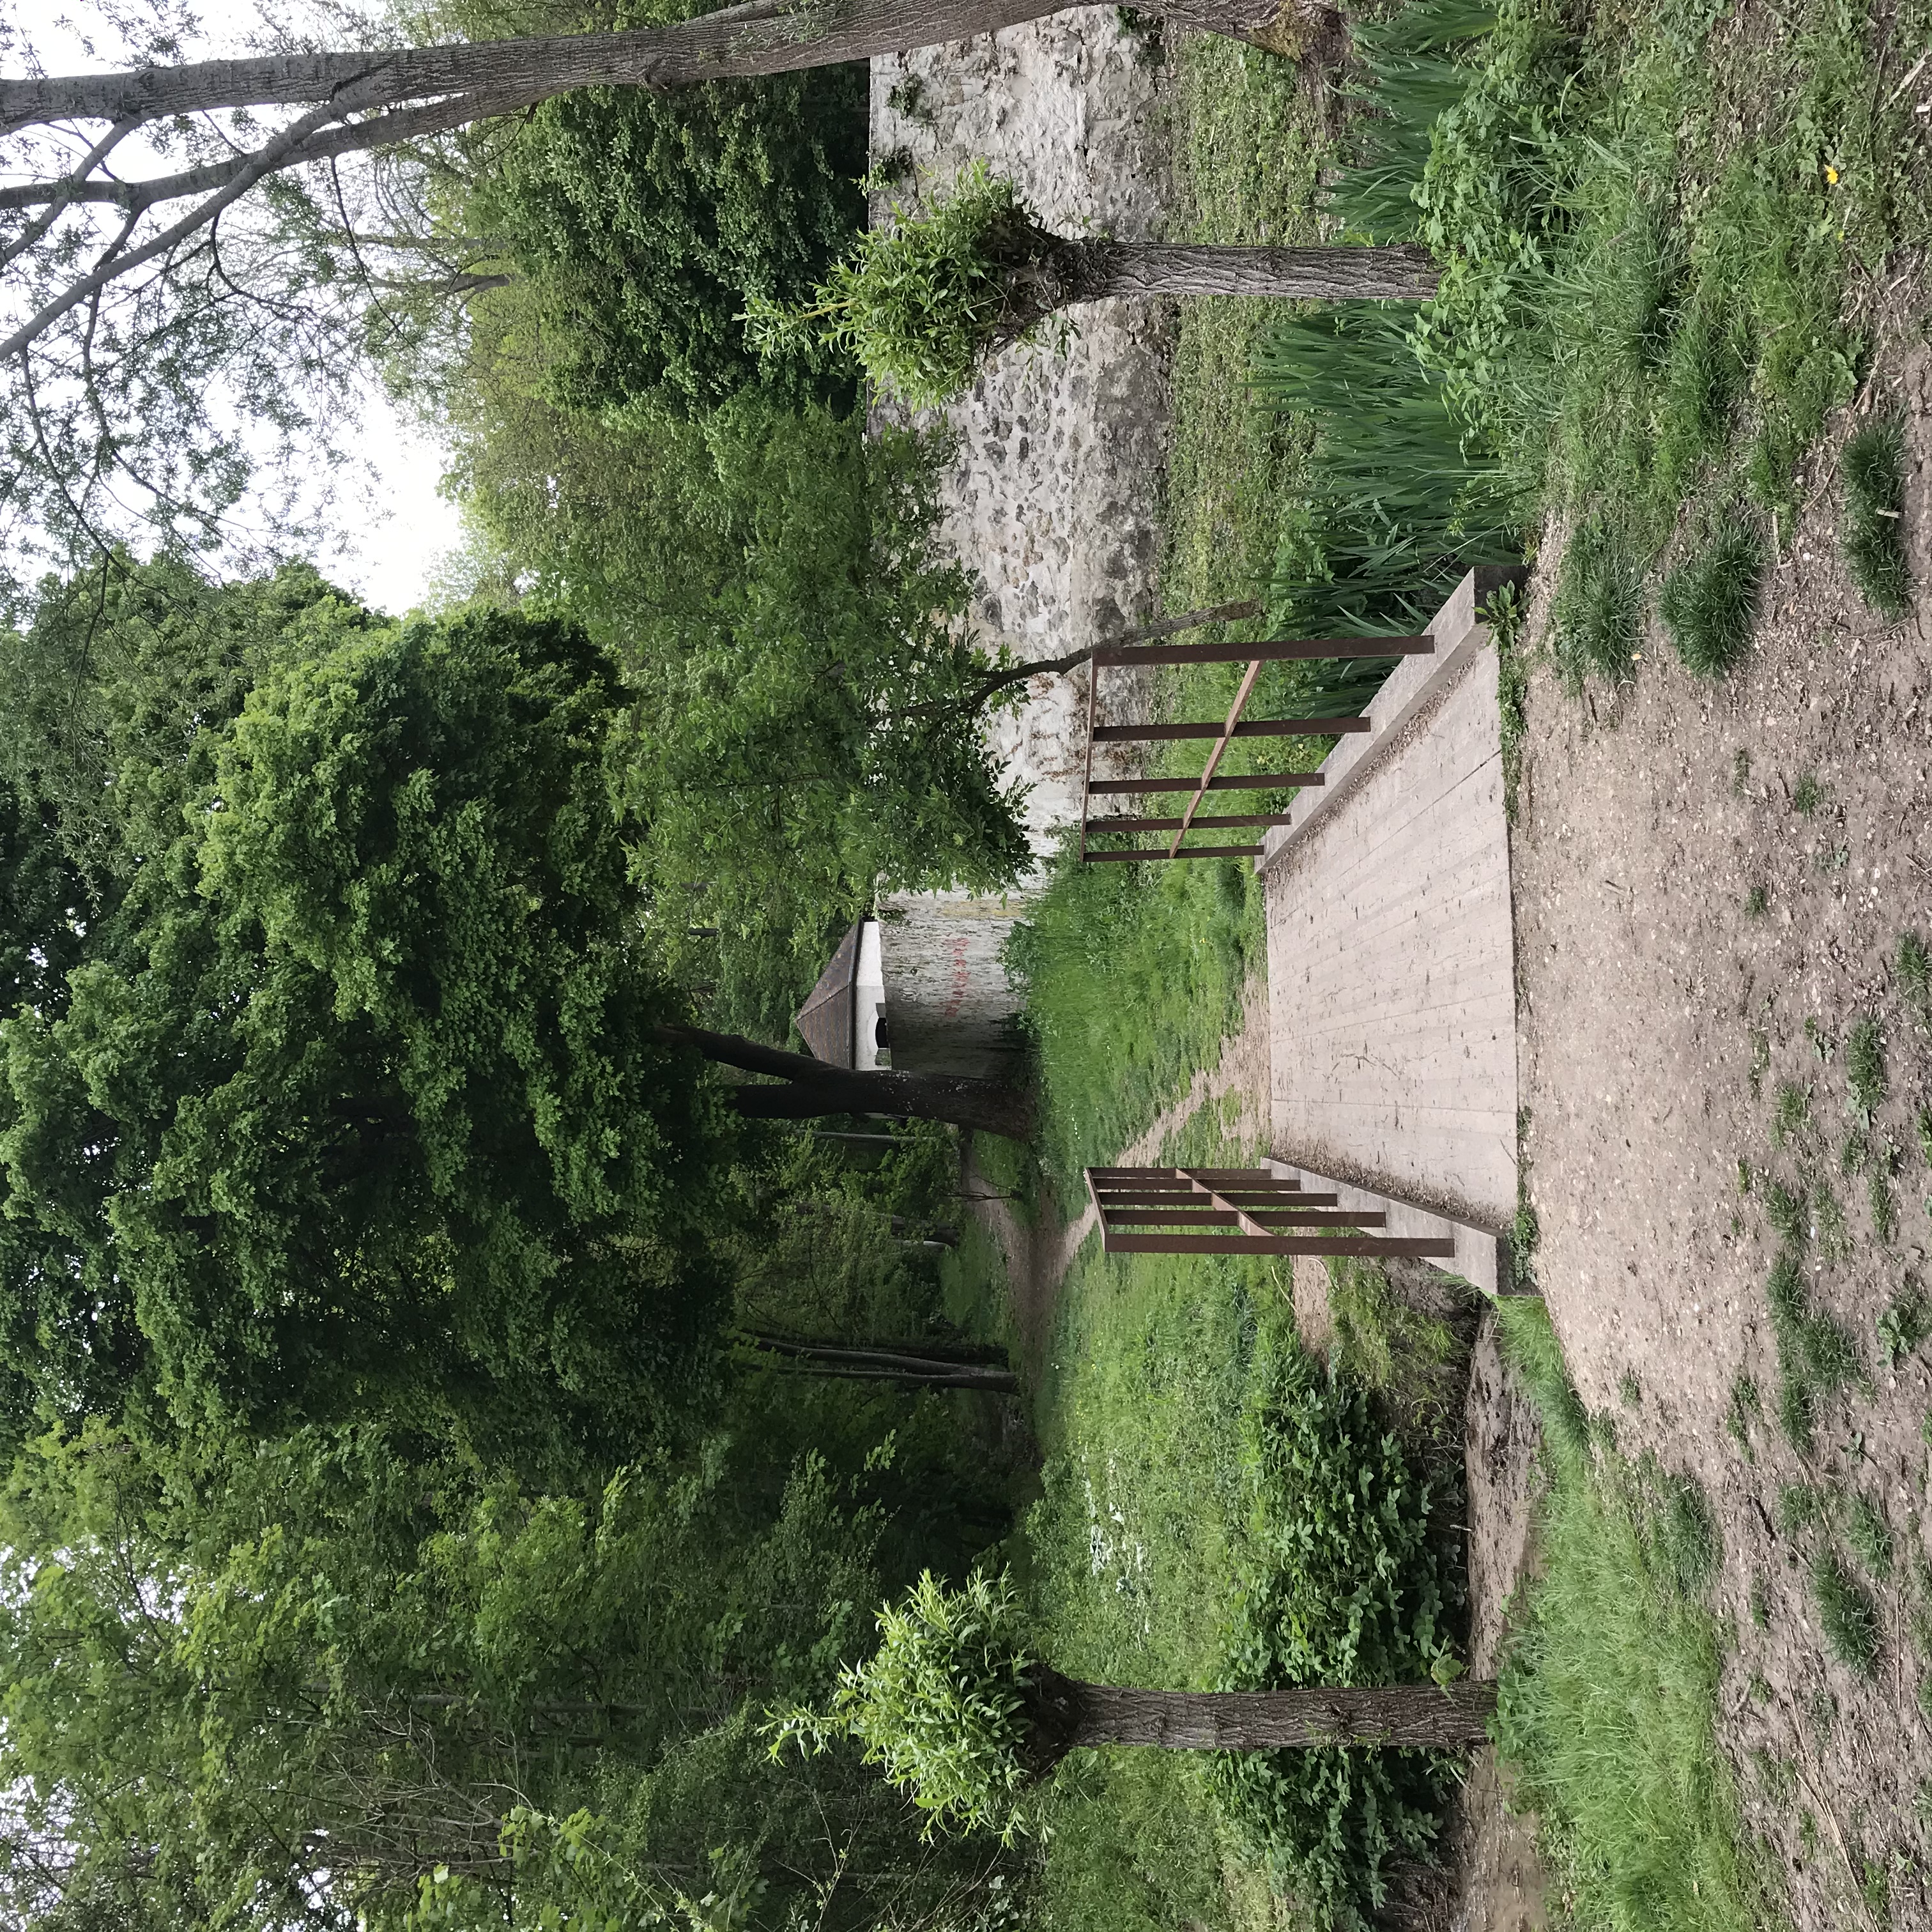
(392, 532)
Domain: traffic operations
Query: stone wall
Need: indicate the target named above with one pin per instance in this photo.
(1054, 498)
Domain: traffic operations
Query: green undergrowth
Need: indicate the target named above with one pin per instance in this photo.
(1609, 1692)
(1132, 977)
(1248, 152)
(1650, 222)
(1218, 1507)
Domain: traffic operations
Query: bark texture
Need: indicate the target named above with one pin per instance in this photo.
(764, 37)
(1425, 1717)
(814, 1088)
(1136, 269)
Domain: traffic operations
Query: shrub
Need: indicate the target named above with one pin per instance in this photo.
(1873, 468)
(1709, 603)
(1343, 1587)
(646, 222)
(923, 303)
(941, 1705)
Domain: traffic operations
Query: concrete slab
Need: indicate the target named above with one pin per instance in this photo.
(1391, 969)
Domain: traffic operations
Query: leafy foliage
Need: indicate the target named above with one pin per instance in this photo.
(1343, 1586)
(356, 1098)
(923, 303)
(941, 1704)
(648, 222)
(796, 639)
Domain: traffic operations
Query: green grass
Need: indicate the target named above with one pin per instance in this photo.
(1847, 1616)
(1873, 466)
(1133, 976)
(1864, 1068)
(1708, 602)
(1610, 1691)
(1130, 1557)
(1248, 161)
(1913, 965)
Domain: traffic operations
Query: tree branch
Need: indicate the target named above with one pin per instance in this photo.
(63, 194)
(111, 266)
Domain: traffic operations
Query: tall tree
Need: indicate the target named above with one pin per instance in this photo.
(965, 1718)
(360, 1097)
(247, 262)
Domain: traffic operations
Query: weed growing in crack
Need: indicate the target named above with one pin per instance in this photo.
(1709, 603)
(1799, 1508)
(1789, 1213)
(1745, 1405)
(1873, 468)
(1869, 1537)
(1846, 1614)
(1864, 1068)
(1816, 1356)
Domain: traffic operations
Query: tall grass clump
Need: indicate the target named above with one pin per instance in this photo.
(1873, 468)
(1708, 603)
(1596, 613)
(1609, 1694)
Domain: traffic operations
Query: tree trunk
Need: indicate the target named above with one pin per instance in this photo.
(1422, 1717)
(1110, 270)
(909, 1364)
(765, 37)
(814, 1088)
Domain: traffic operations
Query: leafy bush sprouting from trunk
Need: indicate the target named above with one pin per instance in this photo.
(942, 1704)
(1345, 1587)
(647, 222)
(923, 303)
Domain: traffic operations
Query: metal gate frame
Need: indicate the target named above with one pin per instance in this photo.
(1236, 1210)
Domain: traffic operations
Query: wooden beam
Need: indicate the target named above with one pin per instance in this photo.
(1272, 650)
(1192, 852)
(1208, 821)
(1240, 781)
(1216, 753)
(1249, 727)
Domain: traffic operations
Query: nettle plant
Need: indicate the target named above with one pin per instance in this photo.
(942, 1705)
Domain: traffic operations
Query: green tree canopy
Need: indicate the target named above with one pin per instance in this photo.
(649, 223)
(808, 686)
(355, 1099)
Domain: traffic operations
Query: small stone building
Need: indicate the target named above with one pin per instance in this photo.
(922, 986)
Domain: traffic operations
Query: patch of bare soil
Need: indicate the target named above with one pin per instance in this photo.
(1039, 1252)
(1664, 1007)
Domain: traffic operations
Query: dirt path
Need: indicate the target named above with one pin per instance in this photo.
(1710, 884)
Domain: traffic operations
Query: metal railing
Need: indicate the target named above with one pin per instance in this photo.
(1236, 1210)
(1221, 734)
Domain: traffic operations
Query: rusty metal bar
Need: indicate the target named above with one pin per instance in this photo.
(1223, 781)
(1249, 727)
(1217, 753)
(1086, 772)
(1191, 852)
(1207, 821)
(1272, 650)
(1425, 1248)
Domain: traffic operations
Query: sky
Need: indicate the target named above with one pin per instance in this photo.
(391, 533)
